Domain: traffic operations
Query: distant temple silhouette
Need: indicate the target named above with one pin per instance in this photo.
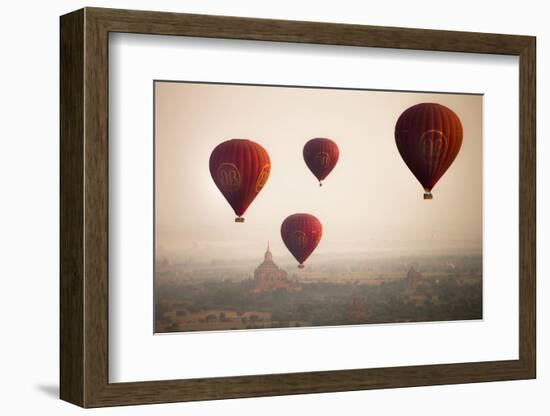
(414, 279)
(417, 288)
(268, 276)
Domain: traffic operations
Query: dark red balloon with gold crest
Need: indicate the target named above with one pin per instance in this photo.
(301, 234)
(321, 155)
(428, 137)
(240, 168)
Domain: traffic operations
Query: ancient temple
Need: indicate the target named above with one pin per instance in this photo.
(268, 276)
(414, 278)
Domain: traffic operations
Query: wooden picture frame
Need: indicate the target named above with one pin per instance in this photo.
(84, 207)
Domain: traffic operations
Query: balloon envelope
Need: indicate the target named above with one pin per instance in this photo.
(321, 155)
(240, 168)
(428, 137)
(301, 234)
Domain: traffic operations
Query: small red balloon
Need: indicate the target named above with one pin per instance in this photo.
(321, 155)
(240, 168)
(428, 137)
(301, 234)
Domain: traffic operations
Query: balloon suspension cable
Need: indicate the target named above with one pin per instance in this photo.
(301, 266)
(428, 195)
(239, 219)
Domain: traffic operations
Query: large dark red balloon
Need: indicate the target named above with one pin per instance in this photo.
(428, 137)
(301, 234)
(321, 155)
(240, 168)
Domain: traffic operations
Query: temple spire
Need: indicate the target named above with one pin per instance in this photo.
(268, 256)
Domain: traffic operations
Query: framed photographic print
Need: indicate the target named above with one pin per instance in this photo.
(255, 207)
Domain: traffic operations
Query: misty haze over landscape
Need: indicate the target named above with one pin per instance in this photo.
(342, 289)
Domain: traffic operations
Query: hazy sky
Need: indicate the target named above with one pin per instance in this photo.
(370, 202)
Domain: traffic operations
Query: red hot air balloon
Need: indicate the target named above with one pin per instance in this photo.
(321, 156)
(301, 234)
(428, 137)
(240, 168)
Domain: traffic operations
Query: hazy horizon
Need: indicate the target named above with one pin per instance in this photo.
(371, 202)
